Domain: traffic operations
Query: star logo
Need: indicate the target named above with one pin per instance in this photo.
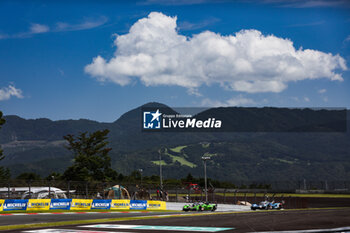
(152, 119)
(156, 115)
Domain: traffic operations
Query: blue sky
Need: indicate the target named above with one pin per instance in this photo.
(99, 59)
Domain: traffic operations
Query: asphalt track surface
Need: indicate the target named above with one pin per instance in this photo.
(40, 218)
(239, 222)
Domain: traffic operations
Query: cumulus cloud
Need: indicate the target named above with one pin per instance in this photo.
(235, 101)
(7, 92)
(322, 91)
(154, 52)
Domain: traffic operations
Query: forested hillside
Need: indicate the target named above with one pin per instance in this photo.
(38, 146)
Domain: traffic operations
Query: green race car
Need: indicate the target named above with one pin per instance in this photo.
(200, 207)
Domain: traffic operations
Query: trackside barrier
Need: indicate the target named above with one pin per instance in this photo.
(120, 205)
(138, 205)
(38, 204)
(98, 204)
(79, 204)
(60, 204)
(156, 205)
(1, 205)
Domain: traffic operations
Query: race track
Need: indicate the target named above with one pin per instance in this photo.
(41, 218)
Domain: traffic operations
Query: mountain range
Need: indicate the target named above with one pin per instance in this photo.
(263, 144)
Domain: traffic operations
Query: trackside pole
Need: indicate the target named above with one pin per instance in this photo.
(205, 158)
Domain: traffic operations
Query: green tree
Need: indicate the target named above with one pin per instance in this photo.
(28, 176)
(54, 176)
(91, 159)
(4, 172)
(189, 177)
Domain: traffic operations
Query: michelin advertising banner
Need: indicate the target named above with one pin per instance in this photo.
(38, 204)
(60, 204)
(138, 205)
(15, 205)
(99, 204)
(79, 204)
(120, 205)
(156, 205)
(2, 205)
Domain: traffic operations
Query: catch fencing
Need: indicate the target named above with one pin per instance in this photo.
(293, 193)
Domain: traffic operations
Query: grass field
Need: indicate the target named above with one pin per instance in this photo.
(182, 161)
(162, 162)
(177, 149)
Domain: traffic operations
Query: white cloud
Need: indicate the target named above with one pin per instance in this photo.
(295, 98)
(3, 36)
(34, 29)
(235, 101)
(154, 52)
(87, 24)
(307, 24)
(306, 99)
(38, 28)
(347, 39)
(184, 26)
(322, 91)
(240, 101)
(7, 92)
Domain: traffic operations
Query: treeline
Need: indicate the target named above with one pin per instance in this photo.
(92, 163)
(4, 172)
(188, 182)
